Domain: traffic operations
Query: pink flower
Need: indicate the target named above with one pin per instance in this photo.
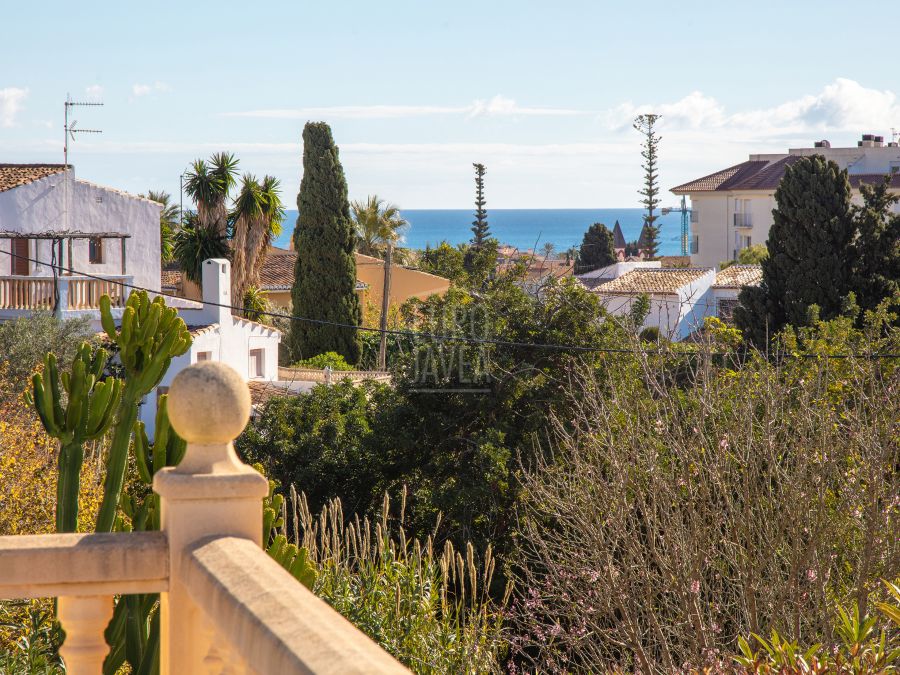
(811, 575)
(723, 444)
(695, 586)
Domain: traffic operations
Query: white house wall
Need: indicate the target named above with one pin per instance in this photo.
(38, 208)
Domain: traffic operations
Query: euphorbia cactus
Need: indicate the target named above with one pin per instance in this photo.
(151, 335)
(85, 415)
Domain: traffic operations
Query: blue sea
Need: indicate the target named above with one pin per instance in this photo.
(522, 228)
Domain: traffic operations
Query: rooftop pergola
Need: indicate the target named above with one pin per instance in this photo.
(68, 236)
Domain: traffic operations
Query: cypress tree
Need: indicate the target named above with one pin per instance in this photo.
(596, 249)
(324, 238)
(810, 259)
(645, 124)
(877, 246)
(480, 229)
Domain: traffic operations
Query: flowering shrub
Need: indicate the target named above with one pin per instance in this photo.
(668, 519)
(27, 506)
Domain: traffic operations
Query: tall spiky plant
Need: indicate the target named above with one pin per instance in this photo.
(257, 216)
(224, 170)
(208, 184)
(377, 225)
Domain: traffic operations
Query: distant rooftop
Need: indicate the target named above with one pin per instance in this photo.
(663, 281)
(738, 276)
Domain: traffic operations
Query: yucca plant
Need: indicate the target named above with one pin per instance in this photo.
(194, 244)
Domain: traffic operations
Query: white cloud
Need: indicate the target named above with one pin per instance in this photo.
(500, 105)
(145, 89)
(842, 106)
(497, 106)
(95, 91)
(11, 99)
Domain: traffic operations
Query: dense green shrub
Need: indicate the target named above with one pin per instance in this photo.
(25, 341)
(331, 360)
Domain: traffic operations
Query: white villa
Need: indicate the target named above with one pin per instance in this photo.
(731, 209)
(65, 242)
(248, 347)
(49, 218)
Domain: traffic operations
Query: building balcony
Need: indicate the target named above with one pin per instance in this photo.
(743, 220)
(24, 294)
(225, 605)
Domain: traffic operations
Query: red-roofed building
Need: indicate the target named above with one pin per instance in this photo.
(731, 209)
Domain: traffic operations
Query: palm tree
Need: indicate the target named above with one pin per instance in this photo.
(256, 218)
(377, 225)
(208, 185)
(195, 243)
(168, 222)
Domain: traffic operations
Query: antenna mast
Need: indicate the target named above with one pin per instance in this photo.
(69, 132)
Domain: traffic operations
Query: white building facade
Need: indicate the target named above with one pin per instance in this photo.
(52, 222)
(249, 347)
(731, 209)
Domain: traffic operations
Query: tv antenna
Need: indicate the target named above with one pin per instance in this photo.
(69, 132)
(70, 128)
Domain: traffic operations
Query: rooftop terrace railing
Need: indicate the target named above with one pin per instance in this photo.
(225, 605)
(28, 293)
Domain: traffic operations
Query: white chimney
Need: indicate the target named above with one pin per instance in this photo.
(217, 291)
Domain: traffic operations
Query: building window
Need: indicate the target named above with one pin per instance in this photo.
(695, 244)
(204, 356)
(725, 309)
(257, 363)
(95, 250)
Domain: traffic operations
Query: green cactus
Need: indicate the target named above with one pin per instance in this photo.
(295, 560)
(89, 409)
(151, 334)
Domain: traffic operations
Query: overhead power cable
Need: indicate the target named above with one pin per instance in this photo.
(445, 338)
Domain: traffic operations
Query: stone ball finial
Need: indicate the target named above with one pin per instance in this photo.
(209, 403)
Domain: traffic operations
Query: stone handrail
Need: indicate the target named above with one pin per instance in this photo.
(225, 605)
(40, 566)
(269, 621)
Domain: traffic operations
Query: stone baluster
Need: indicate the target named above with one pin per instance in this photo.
(210, 493)
(84, 619)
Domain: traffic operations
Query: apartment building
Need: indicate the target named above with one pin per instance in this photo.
(731, 209)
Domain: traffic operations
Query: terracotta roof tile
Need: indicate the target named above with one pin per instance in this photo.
(663, 281)
(873, 179)
(751, 175)
(262, 391)
(14, 175)
(170, 279)
(738, 276)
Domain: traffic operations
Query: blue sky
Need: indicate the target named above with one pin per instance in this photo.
(540, 92)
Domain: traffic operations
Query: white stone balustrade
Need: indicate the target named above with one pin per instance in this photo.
(226, 606)
(25, 294)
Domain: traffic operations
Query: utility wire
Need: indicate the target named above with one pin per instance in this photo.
(444, 338)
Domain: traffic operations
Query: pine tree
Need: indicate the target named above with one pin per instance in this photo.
(324, 238)
(480, 229)
(645, 124)
(811, 257)
(596, 249)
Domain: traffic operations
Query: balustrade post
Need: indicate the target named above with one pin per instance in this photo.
(210, 493)
(62, 285)
(84, 619)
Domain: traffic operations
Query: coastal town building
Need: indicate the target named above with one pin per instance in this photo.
(727, 286)
(731, 209)
(593, 279)
(678, 297)
(65, 242)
